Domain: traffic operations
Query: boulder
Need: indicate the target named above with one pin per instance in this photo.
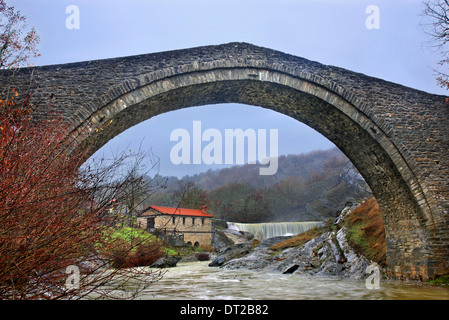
(220, 241)
(232, 252)
(259, 258)
(166, 262)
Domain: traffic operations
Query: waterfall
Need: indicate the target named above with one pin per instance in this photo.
(263, 231)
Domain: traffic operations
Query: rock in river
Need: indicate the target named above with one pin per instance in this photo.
(166, 262)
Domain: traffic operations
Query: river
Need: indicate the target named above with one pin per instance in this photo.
(198, 281)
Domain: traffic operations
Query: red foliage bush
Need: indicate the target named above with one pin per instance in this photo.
(144, 254)
(51, 213)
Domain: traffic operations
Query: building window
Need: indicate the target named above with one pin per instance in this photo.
(202, 221)
(173, 220)
(193, 221)
(183, 220)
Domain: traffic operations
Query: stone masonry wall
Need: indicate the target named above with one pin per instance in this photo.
(194, 229)
(396, 136)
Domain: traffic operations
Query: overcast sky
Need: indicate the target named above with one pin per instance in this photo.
(331, 32)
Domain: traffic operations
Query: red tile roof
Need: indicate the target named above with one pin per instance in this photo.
(182, 211)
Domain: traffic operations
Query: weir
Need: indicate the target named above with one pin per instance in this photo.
(267, 230)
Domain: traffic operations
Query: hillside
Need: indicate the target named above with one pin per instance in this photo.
(311, 186)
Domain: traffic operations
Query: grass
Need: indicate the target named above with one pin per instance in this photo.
(300, 239)
(132, 235)
(136, 236)
(366, 233)
(440, 280)
(130, 247)
(129, 234)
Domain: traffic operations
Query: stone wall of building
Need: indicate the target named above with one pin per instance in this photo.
(194, 229)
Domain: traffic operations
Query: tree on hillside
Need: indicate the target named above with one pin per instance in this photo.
(257, 208)
(437, 11)
(190, 195)
(240, 202)
(288, 193)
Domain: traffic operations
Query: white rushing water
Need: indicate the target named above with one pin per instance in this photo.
(273, 229)
(198, 281)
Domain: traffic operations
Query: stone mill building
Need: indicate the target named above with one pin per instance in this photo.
(193, 226)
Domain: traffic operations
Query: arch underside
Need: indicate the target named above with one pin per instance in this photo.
(406, 218)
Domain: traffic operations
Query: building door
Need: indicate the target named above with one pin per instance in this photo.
(150, 224)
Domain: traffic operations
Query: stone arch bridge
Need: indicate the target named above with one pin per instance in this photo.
(397, 137)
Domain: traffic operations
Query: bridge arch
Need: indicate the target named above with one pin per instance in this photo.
(355, 112)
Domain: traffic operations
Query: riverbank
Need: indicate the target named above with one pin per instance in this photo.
(342, 248)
